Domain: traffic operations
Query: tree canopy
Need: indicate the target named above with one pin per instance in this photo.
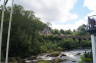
(24, 31)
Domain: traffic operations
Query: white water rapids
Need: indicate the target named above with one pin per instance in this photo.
(72, 56)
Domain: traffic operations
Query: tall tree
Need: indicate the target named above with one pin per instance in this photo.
(24, 34)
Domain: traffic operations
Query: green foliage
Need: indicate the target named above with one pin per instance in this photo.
(68, 32)
(56, 31)
(86, 43)
(24, 40)
(69, 43)
(82, 30)
(86, 58)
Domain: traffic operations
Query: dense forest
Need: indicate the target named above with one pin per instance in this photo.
(29, 38)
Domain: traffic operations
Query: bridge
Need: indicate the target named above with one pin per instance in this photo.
(75, 37)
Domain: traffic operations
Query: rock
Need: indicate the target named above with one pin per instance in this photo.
(73, 61)
(32, 58)
(62, 55)
(48, 55)
(57, 60)
(78, 53)
(30, 61)
(65, 59)
(53, 54)
(13, 60)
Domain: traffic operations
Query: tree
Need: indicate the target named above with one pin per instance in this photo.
(68, 32)
(62, 31)
(81, 30)
(55, 31)
(24, 40)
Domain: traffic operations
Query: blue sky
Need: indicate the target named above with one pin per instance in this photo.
(62, 14)
(80, 10)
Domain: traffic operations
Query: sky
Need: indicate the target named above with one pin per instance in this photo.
(61, 14)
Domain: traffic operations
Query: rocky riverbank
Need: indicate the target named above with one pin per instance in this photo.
(58, 57)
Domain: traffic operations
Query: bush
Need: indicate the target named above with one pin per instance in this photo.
(86, 58)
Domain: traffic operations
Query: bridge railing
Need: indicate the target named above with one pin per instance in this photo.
(91, 26)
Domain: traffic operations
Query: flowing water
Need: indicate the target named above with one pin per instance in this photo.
(72, 56)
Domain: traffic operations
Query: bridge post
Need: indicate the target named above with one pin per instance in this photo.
(91, 28)
(93, 39)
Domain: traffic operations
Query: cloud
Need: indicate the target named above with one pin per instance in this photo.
(63, 26)
(90, 4)
(69, 26)
(75, 25)
(51, 10)
(58, 12)
(81, 21)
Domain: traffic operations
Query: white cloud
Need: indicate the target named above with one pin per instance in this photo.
(64, 26)
(70, 26)
(90, 4)
(58, 11)
(81, 21)
(51, 10)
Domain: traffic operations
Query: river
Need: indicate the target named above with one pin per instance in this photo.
(72, 56)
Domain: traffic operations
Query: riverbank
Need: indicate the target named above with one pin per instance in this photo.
(72, 56)
(68, 56)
